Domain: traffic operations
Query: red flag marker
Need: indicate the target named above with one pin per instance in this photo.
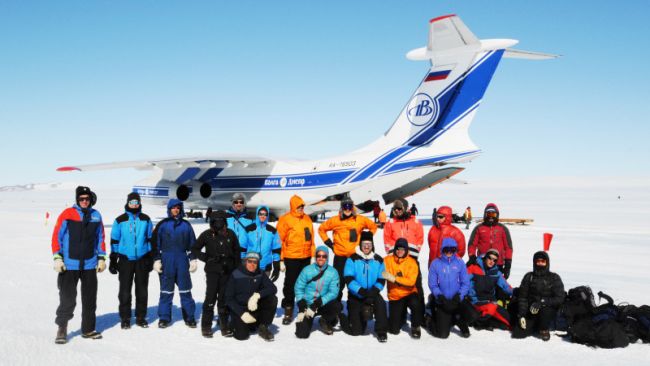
(547, 241)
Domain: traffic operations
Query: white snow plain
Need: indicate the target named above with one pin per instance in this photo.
(600, 240)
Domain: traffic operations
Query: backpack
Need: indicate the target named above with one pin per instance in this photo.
(579, 303)
(599, 327)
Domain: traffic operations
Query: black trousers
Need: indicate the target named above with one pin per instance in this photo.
(357, 325)
(215, 294)
(67, 283)
(540, 321)
(339, 266)
(293, 269)
(397, 309)
(130, 271)
(264, 315)
(328, 312)
(445, 319)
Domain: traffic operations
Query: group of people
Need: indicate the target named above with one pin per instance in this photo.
(243, 258)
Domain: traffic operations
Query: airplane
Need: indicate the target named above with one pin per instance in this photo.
(426, 145)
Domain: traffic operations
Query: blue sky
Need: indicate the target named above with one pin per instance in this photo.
(86, 82)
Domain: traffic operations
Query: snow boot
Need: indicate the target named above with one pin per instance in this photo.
(206, 332)
(415, 333)
(382, 337)
(61, 335)
(464, 331)
(142, 323)
(191, 323)
(288, 315)
(545, 334)
(325, 327)
(225, 328)
(265, 333)
(163, 323)
(92, 335)
(126, 323)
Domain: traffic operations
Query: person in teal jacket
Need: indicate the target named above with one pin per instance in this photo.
(238, 221)
(131, 257)
(362, 275)
(317, 289)
(263, 238)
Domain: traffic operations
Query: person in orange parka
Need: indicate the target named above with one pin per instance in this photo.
(442, 229)
(401, 274)
(347, 227)
(296, 232)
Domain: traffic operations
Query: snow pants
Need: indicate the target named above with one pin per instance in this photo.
(445, 318)
(175, 271)
(328, 312)
(339, 266)
(397, 311)
(357, 323)
(67, 284)
(264, 315)
(293, 269)
(215, 293)
(129, 271)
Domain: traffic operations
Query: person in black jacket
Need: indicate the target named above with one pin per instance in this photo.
(540, 295)
(250, 297)
(221, 257)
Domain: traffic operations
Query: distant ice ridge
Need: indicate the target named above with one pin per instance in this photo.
(37, 187)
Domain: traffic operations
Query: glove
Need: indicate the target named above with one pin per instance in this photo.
(300, 317)
(440, 299)
(316, 304)
(472, 260)
(248, 318)
(534, 307)
(252, 301)
(193, 265)
(302, 306)
(309, 313)
(282, 267)
(456, 299)
(276, 271)
(371, 294)
(388, 277)
(363, 292)
(59, 266)
(522, 322)
(101, 265)
(329, 243)
(157, 266)
(113, 265)
(506, 268)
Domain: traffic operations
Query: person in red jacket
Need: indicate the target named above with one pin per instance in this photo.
(403, 225)
(491, 234)
(442, 229)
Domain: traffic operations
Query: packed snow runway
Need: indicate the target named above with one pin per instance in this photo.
(600, 240)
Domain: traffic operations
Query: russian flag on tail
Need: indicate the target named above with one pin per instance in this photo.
(437, 75)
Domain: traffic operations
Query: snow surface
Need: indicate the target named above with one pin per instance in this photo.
(599, 240)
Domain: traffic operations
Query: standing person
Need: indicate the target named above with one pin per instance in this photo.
(316, 290)
(413, 210)
(79, 254)
(540, 295)
(172, 241)
(208, 213)
(401, 274)
(250, 297)
(403, 225)
(347, 227)
(375, 211)
(363, 275)
(238, 220)
(492, 234)
(263, 238)
(382, 218)
(221, 257)
(442, 229)
(467, 216)
(485, 277)
(296, 232)
(131, 257)
(449, 285)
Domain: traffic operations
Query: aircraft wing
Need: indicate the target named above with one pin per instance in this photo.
(223, 161)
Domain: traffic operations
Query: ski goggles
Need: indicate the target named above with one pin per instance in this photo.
(262, 213)
(134, 202)
(449, 250)
(347, 206)
(491, 214)
(440, 217)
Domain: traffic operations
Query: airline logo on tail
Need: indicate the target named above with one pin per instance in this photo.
(422, 110)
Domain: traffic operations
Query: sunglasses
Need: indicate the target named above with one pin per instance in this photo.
(347, 207)
(398, 209)
(81, 199)
(134, 202)
(262, 214)
(492, 258)
(238, 202)
(449, 250)
(176, 208)
(251, 261)
(321, 256)
(301, 206)
(441, 216)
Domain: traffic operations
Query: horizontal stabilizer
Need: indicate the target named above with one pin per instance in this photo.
(528, 55)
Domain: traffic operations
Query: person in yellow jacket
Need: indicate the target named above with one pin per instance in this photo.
(347, 227)
(296, 232)
(401, 274)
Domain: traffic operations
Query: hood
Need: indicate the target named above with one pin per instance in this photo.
(174, 202)
(487, 207)
(445, 210)
(447, 243)
(541, 254)
(294, 202)
(323, 248)
(257, 217)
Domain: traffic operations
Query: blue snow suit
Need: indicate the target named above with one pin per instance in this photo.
(172, 240)
(131, 235)
(448, 276)
(326, 287)
(263, 239)
(363, 271)
(238, 222)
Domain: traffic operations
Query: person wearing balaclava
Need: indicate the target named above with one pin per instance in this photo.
(540, 295)
(218, 247)
(79, 254)
(131, 258)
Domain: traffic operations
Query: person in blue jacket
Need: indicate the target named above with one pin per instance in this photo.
(172, 241)
(449, 285)
(362, 275)
(316, 291)
(485, 278)
(131, 257)
(238, 220)
(263, 238)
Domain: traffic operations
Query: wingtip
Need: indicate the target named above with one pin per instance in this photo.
(67, 169)
(441, 18)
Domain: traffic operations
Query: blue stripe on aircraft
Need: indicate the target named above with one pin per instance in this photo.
(414, 163)
(210, 174)
(281, 181)
(188, 174)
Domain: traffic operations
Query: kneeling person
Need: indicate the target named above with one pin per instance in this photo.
(251, 300)
(316, 290)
